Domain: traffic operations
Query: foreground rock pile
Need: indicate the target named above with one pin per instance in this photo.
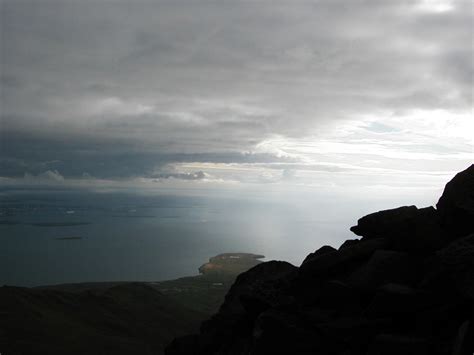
(405, 287)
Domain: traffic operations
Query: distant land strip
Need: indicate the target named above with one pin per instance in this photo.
(132, 216)
(59, 224)
(68, 238)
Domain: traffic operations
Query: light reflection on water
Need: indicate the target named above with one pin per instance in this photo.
(64, 237)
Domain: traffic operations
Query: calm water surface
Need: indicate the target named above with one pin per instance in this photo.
(75, 237)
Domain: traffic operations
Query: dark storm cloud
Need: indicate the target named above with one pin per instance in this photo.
(118, 89)
(112, 158)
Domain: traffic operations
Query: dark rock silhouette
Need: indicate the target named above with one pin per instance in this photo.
(406, 228)
(406, 287)
(456, 205)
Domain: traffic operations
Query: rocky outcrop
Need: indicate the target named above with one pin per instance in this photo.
(405, 228)
(456, 205)
(406, 287)
(457, 261)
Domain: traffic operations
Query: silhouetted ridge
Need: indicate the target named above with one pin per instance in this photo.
(115, 317)
(456, 205)
(406, 287)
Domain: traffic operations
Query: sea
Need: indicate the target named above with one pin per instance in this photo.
(64, 236)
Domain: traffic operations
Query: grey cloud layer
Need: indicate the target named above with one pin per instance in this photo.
(118, 88)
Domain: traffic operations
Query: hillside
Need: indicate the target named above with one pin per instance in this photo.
(112, 317)
(131, 318)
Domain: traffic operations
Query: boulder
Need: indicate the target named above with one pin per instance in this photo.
(441, 320)
(385, 266)
(457, 261)
(406, 228)
(397, 301)
(338, 295)
(341, 261)
(420, 234)
(395, 344)
(463, 343)
(253, 292)
(326, 249)
(355, 332)
(383, 223)
(318, 315)
(263, 282)
(280, 332)
(188, 344)
(456, 204)
(348, 243)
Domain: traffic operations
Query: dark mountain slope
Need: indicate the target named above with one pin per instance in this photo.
(114, 317)
(132, 318)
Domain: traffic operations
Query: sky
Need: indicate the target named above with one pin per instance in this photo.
(346, 95)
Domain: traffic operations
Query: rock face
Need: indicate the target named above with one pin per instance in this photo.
(456, 205)
(406, 287)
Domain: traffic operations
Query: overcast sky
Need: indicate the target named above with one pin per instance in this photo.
(223, 93)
